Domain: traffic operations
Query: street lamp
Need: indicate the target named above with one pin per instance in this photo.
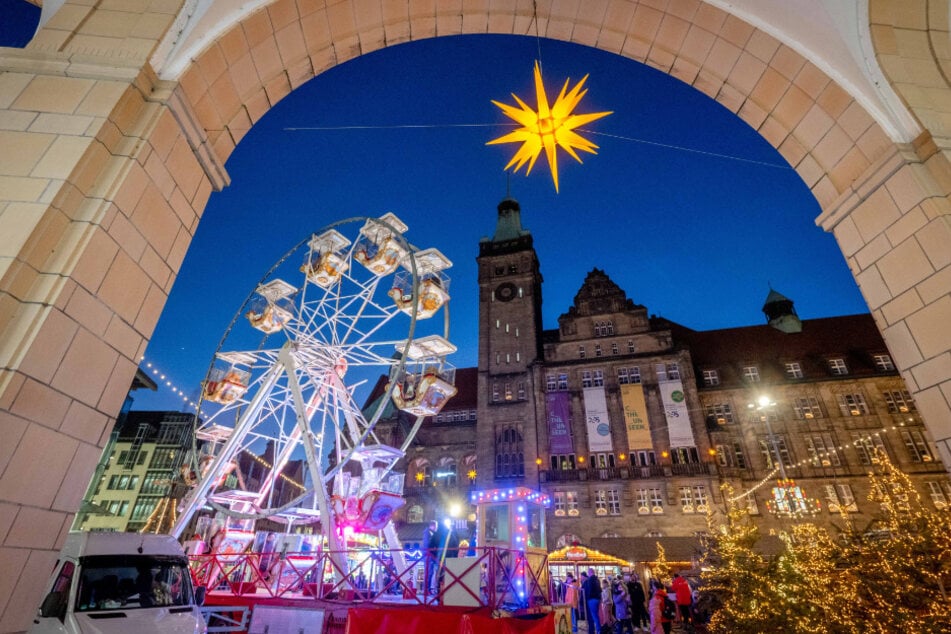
(763, 405)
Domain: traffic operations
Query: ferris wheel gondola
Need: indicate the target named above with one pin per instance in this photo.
(328, 318)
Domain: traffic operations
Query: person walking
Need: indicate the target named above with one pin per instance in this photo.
(660, 624)
(606, 613)
(640, 619)
(572, 593)
(622, 607)
(592, 596)
(684, 598)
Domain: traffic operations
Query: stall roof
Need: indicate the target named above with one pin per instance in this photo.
(590, 556)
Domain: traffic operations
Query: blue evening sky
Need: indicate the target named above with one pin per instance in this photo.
(693, 235)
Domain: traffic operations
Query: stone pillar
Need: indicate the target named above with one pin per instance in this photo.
(894, 228)
(103, 177)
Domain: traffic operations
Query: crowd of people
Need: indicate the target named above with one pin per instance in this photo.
(622, 605)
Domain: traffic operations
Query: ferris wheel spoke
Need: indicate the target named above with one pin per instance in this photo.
(347, 314)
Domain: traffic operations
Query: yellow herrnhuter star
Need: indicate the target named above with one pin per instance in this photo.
(548, 128)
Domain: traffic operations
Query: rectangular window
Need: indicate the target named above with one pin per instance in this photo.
(865, 446)
(600, 502)
(646, 458)
(852, 405)
(563, 462)
(586, 378)
(657, 502)
(551, 382)
(643, 502)
(686, 499)
(631, 348)
(898, 401)
(917, 446)
(940, 492)
(821, 450)
(508, 391)
(571, 499)
(883, 362)
(614, 349)
(793, 370)
(770, 447)
(673, 372)
(562, 382)
(661, 370)
(731, 455)
(559, 503)
(711, 378)
(806, 407)
(597, 350)
(720, 413)
(751, 373)
(614, 502)
(700, 498)
(598, 378)
(581, 353)
(622, 377)
(495, 393)
(520, 393)
(634, 374)
(839, 498)
(838, 367)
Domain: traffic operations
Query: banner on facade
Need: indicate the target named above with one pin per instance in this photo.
(596, 417)
(559, 430)
(675, 409)
(635, 417)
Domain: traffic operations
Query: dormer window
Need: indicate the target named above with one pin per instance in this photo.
(838, 367)
(883, 362)
(751, 373)
(793, 370)
(711, 378)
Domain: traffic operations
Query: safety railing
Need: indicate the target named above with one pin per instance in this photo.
(479, 577)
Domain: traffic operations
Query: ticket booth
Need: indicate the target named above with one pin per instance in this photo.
(512, 520)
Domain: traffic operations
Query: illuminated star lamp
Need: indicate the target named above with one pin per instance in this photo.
(548, 127)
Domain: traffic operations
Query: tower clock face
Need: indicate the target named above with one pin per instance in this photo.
(505, 291)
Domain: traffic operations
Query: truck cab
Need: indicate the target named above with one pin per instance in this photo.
(120, 582)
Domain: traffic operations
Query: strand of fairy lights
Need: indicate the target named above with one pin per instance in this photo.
(819, 456)
(267, 465)
(153, 369)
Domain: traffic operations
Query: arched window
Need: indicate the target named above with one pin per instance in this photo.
(509, 453)
(414, 514)
(568, 539)
(448, 473)
(424, 473)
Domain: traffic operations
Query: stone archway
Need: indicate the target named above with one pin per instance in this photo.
(107, 169)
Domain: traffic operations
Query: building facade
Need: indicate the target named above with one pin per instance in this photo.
(633, 423)
(146, 458)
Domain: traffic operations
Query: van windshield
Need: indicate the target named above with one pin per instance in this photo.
(129, 582)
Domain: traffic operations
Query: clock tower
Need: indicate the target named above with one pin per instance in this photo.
(510, 328)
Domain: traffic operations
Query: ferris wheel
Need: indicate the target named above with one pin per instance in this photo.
(348, 304)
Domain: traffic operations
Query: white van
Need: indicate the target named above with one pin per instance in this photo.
(120, 582)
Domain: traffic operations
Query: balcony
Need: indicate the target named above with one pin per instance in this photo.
(626, 472)
(691, 469)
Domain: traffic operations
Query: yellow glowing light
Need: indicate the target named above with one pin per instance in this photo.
(548, 127)
(419, 476)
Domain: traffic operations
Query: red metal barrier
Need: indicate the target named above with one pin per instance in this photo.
(492, 577)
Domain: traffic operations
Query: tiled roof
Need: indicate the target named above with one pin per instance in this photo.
(854, 338)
